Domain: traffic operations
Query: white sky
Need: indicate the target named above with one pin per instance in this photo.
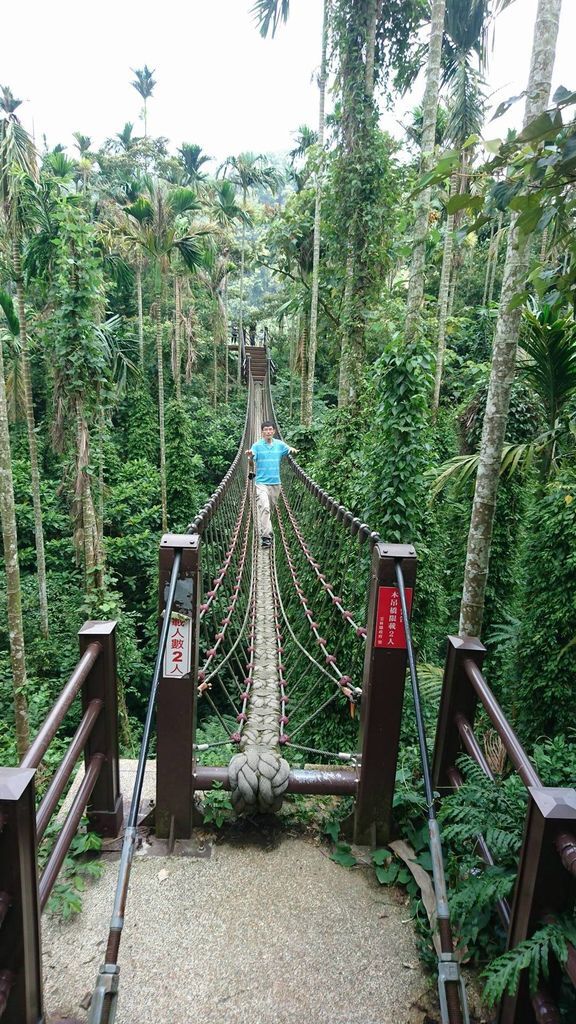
(219, 83)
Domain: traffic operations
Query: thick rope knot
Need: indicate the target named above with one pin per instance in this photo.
(258, 778)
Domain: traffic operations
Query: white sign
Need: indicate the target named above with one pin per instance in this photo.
(178, 645)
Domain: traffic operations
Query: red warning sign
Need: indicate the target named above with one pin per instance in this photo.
(389, 630)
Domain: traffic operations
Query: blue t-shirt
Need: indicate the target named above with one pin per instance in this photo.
(267, 458)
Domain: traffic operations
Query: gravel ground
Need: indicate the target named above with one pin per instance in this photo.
(243, 933)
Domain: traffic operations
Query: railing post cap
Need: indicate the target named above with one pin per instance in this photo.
(13, 782)
(97, 627)
(388, 550)
(554, 801)
(466, 643)
(179, 540)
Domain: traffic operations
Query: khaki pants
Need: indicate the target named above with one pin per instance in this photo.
(266, 497)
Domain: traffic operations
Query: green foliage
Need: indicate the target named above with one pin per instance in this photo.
(548, 614)
(217, 806)
(397, 445)
(532, 955)
(75, 346)
(78, 868)
(342, 854)
(183, 466)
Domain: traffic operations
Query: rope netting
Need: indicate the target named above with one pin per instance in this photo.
(282, 635)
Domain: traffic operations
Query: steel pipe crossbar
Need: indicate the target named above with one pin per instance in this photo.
(66, 766)
(62, 845)
(323, 781)
(514, 748)
(34, 755)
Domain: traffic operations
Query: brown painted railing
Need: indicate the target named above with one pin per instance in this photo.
(23, 896)
(547, 865)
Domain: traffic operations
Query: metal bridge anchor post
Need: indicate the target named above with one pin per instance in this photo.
(176, 706)
(382, 693)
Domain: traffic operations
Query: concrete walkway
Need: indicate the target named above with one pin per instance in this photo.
(260, 930)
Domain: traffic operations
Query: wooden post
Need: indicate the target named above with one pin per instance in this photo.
(176, 707)
(20, 950)
(544, 885)
(458, 696)
(382, 693)
(105, 810)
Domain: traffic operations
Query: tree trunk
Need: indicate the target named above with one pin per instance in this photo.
(489, 259)
(160, 362)
(13, 592)
(101, 442)
(241, 317)
(312, 341)
(422, 205)
(85, 500)
(304, 365)
(215, 332)
(495, 258)
(226, 344)
(177, 360)
(32, 446)
(346, 371)
(140, 311)
(373, 13)
(443, 294)
(504, 350)
(356, 135)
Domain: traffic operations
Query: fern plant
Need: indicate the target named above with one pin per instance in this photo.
(532, 955)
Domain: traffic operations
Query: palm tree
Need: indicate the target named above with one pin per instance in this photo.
(12, 566)
(504, 347)
(422, 205)
(466, 26)
(151, 224)
(125, 140)
(247, 170)
(225, 210)
(213, 273)
(83, 143)
(466, 119)
(305, 138)
(18, 172)
(313, 338)
(549, 341)
(144, 85)
(78, 361)
(192, 159)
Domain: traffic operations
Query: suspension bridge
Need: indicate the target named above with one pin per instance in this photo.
(265, 655)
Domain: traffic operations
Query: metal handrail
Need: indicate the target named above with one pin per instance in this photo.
(35, 753)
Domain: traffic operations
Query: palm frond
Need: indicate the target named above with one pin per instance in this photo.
(142, 210)
(269, 13)
(462, 469)
(7, 307)
(144, 83)
(183, 200)
(550, 342)
(191, 250)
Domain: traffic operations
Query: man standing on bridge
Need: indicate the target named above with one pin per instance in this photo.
(267, 454)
